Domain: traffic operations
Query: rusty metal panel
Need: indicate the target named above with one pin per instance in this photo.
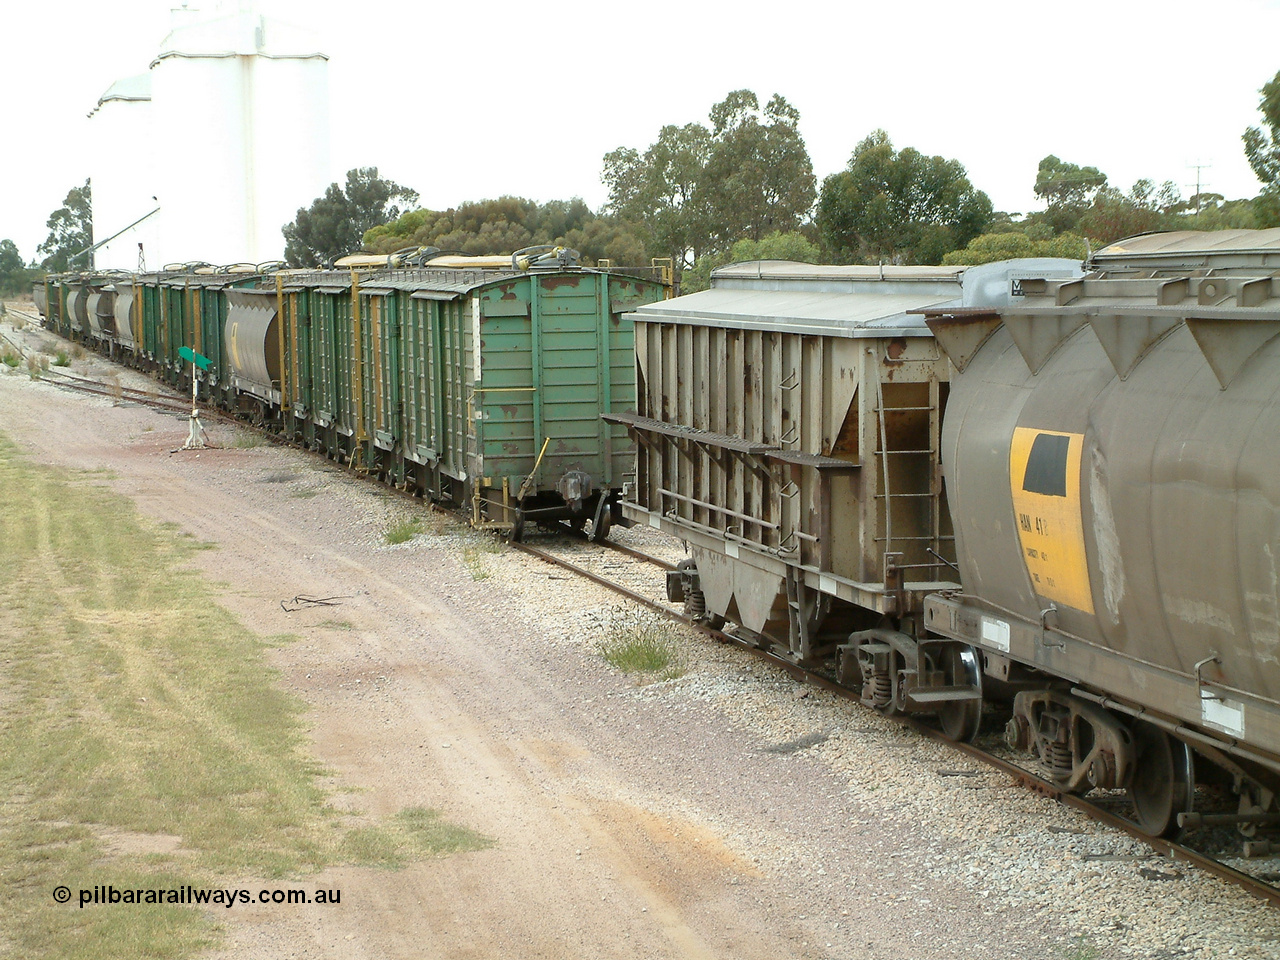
(778, 452)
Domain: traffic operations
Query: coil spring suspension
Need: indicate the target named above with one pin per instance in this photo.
(695, 604)
(1059, 760)
(881, 689)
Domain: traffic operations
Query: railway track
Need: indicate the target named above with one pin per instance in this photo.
(634, 579)
(116, 391)
(592, 569)
(172, 401)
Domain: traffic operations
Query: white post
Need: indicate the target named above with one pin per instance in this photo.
(195, 438)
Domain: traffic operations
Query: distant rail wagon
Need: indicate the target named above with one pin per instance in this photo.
(480, 384)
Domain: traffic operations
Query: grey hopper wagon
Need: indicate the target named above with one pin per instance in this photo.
(788, 422)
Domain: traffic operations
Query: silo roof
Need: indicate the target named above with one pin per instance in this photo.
(240, 34)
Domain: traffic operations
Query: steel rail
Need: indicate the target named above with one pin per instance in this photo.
(107, 390)
(637, 554)
(99, 387)
(627, 551)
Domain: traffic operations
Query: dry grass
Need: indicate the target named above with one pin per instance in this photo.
(130, 701)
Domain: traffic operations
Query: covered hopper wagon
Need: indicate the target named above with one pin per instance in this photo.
(1112, 458)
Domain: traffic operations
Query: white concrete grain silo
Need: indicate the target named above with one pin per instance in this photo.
(240, 105)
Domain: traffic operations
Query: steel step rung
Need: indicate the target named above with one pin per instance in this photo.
(943, 694)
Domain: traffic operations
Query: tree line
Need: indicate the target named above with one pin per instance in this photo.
(741, 186)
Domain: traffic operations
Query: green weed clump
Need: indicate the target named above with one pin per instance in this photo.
(61, 359)
(474, 562)
(414, 833)
(246, 440)
(645, 645)
(10, 357)
(402, 531)
(1082, 949)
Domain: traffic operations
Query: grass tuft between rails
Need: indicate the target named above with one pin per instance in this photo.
(642, 644)
(132, 705)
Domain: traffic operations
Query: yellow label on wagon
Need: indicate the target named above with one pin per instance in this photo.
(1044, 474)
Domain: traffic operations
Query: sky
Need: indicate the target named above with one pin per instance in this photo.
(465, 101)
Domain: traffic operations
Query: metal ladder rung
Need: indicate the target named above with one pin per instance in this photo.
(930, 539)
(943, 694)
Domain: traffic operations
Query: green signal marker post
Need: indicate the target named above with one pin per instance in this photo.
(199, 359)
(195, 435)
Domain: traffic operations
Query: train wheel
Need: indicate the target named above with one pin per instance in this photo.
(960, 719)
(1163, 781)
(517, 528)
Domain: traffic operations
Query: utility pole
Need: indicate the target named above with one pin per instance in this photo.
(1199, 184)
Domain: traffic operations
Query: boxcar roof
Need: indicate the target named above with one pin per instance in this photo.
(1191, 253)
(866, 313)
(795, 270)
(426, 283)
